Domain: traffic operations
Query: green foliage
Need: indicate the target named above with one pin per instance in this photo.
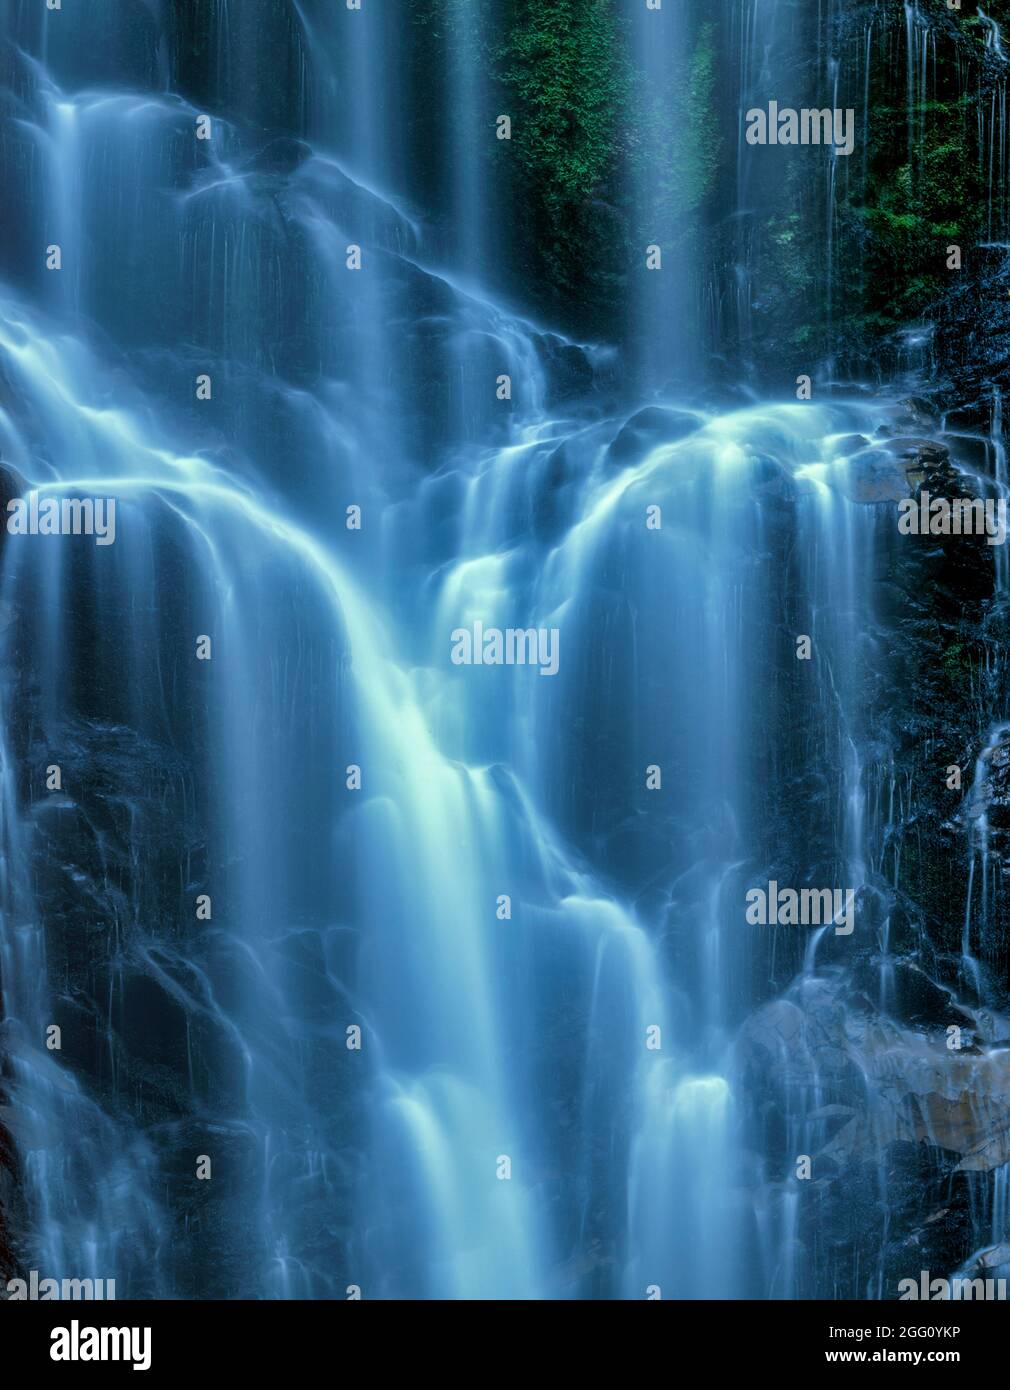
(561, 61)
(957, 662)
(912, 209)
(604, 160)
(562, 65)
(917, 184)
(696, 157)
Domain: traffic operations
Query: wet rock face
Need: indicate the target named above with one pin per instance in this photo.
(891, 469)
(875, 475)
(879, 1079)
(996, 792)
(927, 464)
(973, 340)
(894, 466)
(115, 857)
(649, 429)
(851, 1064)
(9, 1203)
(890, 1113)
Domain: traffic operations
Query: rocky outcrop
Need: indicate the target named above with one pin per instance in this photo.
(972, 339)
(913, 1085)
(898, 1124)
(8, 1202)
(650, 429)
(995, 801)
(886, 1057)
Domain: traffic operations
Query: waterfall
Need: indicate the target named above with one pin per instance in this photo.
(342, 950)
(329, 912)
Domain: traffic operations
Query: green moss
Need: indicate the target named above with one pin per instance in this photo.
(911, 211)
(561, 62)
(604, 160)
(562, 68)
(958, 663)
(914, 187)
(696, 154)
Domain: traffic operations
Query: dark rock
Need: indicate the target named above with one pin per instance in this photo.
(649, 429)
(971, 450)
(280, 156)
(849, 444)
(875, 476)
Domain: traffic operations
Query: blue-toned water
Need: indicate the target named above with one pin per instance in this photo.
(459, 1017)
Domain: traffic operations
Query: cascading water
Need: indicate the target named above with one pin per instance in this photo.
(314, 673)
(374, 969)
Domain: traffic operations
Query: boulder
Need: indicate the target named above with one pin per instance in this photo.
(649, 429)
(909, 1086)
(874, 475)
